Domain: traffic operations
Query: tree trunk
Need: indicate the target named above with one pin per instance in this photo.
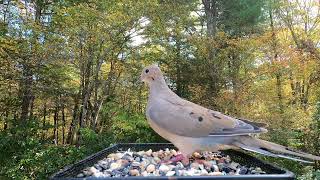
(211, 10)
(55, 130)
(74, 122)
(274, 61)
(26, 93)
(44, 119)
(63, 123)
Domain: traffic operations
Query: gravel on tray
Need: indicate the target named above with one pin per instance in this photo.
(157, 163)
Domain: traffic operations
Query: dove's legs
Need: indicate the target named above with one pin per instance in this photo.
(180, 158)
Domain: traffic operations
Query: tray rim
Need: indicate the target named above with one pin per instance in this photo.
(287, 175)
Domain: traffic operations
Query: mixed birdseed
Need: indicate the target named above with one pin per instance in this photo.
(157, 163)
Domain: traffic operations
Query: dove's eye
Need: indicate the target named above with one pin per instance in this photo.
(147, 70)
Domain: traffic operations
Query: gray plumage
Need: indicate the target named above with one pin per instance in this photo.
(191, 127)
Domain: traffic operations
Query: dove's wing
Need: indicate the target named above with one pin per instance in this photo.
(185, 118)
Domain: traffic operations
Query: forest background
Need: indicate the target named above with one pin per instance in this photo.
(69, 73)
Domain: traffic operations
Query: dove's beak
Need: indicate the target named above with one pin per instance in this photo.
(141, 78)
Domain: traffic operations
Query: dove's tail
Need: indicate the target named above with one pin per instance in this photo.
(272, 149)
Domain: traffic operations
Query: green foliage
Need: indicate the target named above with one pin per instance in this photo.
(133, 128)
(69, 71)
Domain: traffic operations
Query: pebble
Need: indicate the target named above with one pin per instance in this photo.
(137, 159)
(149, 152)
(153, 163)
(80, 175)
(164, 168)
(173, 152)
(194, 165)
(151, 168)
(115, 165)
(204, 172)
(144, 173)
(134, 172)
(215, 168)
(157, 160)
(197, 155)
(233, 165)
(179, 165)
(215, 173)
(170, 173)
(242, 170)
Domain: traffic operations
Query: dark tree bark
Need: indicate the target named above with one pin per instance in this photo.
(44, 119)
(74, 122)
(274, 60)
(55, 130)
(211, 11)
(27, 84)
(63, 123)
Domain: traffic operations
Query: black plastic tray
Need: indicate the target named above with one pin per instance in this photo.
(273, 172)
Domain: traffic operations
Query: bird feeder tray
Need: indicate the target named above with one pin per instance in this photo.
(271, 171)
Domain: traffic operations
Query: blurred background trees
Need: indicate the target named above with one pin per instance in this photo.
(69, 72)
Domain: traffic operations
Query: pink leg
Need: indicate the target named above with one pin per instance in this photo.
(178, 158)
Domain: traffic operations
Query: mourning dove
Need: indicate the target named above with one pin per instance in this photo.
(191, 127)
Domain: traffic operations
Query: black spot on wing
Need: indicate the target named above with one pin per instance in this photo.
(215, 116)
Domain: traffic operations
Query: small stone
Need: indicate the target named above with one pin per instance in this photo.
(135, 164)
(204, 172)
(151, 168)
(144, 173)
(194, 165)
(170, 173)
(128, 158)
(233, 165)
(149, 152)
(182, 173)
(189, 173)
(87, 173)
(164, 168)
(115, 165)
(156, 172)
(80, 175)
(221, 161)
(179, 165)
(174, 152)
(166, 158)
(227, 159)
(106, 175)
(207, 164)
(93, 170)
(167, 151)
(155, 154)
(215, 173)
(134, 172)
(215, 168)
(197, 155)
(157, 159)
(226, 169)
(111, 155)
(258, 170)
(98, 174)
(243, 170)
(137, 159)
(108, 171)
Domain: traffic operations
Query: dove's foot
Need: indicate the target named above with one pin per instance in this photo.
(178, 158)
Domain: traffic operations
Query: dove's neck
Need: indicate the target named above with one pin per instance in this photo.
(159, 87)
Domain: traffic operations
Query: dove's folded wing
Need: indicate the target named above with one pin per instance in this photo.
(185, 118)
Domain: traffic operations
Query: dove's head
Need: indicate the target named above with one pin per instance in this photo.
(151, 74)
